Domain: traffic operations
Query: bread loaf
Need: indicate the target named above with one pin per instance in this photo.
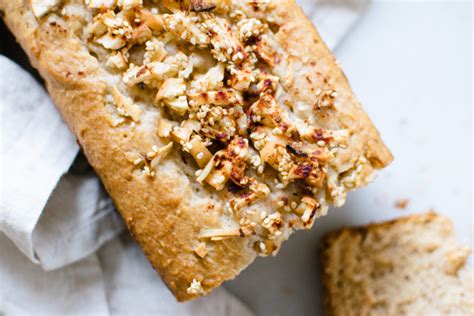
(218, 127)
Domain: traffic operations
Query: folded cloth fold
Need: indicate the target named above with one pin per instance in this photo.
(54, 221)
(26, 289)
(116, 281)
(76, 221)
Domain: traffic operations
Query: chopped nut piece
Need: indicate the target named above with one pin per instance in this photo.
(227, 97)
(220, 233)
(157, 71)
(160, 154)
(96, 28)
(402, 203)
(141, 34)
(178, 105)
(257, 191)
(273, 152)
(241, 79)
(195, 288)
(219, 6)
(201, 250)
(265, 248)
(307, 209)
(129, 4)
(226, 45)
(101, 4)
(117, 61)
(231, 163)
(155, 51)
(153, 21)
(212, 80)
(267, 49)
(185, 28)
(111, 30)
(165, 127)
(125, 105)
(134, 157)
(111, 41)
(218, 177)
(247, 229)
(204, 173)
(199, 151)
(271, 114)
(171, 88)
(331, 137)
(182, 134)
(202, 5)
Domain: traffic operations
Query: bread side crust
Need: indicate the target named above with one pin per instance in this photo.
(163, 215)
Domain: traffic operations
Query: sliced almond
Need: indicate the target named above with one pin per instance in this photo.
(218, 178)
(201, 250)
(153, 21)
(111, 41)
(178, 105)
(165, 127)
(125, 105)
(171, 88)
(199, 151)
(220, 233)
(160, 154)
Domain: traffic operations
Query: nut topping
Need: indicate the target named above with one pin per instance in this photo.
(212, 74)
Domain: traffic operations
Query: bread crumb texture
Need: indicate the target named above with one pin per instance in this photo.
(409, 266)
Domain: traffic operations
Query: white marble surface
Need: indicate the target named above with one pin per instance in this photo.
(411, 66)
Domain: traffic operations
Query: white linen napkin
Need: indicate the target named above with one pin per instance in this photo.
(26, 289)
(51, 226)
(59, 219)
(118, 281)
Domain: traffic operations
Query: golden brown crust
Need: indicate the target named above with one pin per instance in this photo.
(300, 38)
(166, 215)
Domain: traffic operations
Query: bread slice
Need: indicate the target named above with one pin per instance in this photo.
(409, 266)
(218, 127)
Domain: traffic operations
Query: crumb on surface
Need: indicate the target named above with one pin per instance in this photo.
(402, 203)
